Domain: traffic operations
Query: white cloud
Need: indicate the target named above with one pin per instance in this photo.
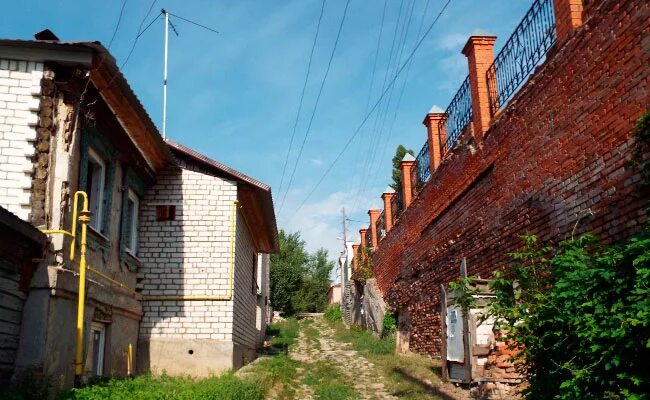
(317, 161)
(436, 109)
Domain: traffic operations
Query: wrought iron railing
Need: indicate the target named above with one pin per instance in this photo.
(523, 51)
(459, 114)
(380, 226)
(369, 238)
(396, 205)
(424, 172)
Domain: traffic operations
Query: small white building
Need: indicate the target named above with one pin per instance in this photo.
(205, 234)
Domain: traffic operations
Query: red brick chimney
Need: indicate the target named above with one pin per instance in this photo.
(387, 196)
(479, 51)
(437, 138)
(568, 16)
(407, 165)
(374, 216)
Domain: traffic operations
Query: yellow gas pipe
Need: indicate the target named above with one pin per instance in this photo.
(82, 217)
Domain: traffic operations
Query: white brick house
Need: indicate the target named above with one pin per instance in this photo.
(69, 121)
(213, 254)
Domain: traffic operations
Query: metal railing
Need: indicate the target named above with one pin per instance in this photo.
(424, 170)
(459, 114)
(396, 205)
(380, 226)
(523, 51)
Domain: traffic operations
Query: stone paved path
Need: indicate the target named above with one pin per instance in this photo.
(356, 369)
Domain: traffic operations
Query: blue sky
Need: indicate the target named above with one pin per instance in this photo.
(234, 96)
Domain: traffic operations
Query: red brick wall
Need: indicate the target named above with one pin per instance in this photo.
(560, 147)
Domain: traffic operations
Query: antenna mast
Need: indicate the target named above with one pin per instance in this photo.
(164, 121)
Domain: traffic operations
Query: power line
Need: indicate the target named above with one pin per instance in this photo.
(119, 19)
(313, 114)
(365, 119)
(302, 96)
(140, 32)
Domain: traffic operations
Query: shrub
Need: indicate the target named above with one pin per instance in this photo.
(390, 324)
(333, 313)
(287, 333)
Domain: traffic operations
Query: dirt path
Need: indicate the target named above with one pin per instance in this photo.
(317, 347)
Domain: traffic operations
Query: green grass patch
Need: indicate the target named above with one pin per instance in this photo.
(328, 382)
(285, 333)
(333, 314)
(274, 372)
(145, 387)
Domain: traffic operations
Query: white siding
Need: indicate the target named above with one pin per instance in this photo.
(245, 307)
(20, 88)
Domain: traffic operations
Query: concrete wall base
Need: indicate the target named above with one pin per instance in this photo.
(176, 356)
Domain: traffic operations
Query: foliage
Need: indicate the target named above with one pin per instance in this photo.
(390, 324)
(581, 313)
(400, 152)
(287, 271)
(145, 387)
(363, 266)
(312, 295)
(328, 382)
(299, 281)
(642, 146)
(333, 314)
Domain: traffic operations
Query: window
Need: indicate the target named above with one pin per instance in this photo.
(96, 350)
(95, 181)
(255, 288)
(165, 213)
(131, 221)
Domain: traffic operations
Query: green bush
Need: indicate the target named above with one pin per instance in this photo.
(145, 387)
(333, 313)
(390, 324)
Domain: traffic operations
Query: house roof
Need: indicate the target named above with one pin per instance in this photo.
(254, 196)
(109, 81)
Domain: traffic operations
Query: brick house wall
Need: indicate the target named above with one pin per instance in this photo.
(187, 256)
(20, 88)
(561, 147)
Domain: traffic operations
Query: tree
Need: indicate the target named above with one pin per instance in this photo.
(312, 295)
(287, 270)
(400, 152)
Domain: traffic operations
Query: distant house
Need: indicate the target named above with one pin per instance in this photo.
(334, 294)
(177, 243)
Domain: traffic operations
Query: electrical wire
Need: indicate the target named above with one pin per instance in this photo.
(117, 26)
(193, 23)
(313, 114)
(367, 116)
(302, 95)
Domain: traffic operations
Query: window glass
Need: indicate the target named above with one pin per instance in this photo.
(131, 221)
(95, 180)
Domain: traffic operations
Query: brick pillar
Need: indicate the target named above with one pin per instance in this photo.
(407, 165)
(568, 16)
(437, 137)
(364, 245)
(355, 251)
(387, 196)
(479, 51)
(374, 235)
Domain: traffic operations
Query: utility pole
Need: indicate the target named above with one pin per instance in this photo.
(344, 268)
(164, 122)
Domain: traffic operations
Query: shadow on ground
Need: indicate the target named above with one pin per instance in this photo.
(425, 385)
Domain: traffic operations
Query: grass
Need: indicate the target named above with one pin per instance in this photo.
(405, 376)
(328, 383)
(145, 387)
(284, 333)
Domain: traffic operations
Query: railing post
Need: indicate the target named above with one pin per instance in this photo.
(364, 245)
(407, 165)
(374, 216)
(437, 138)
(568, 16)
(479, 51)
(387, 196)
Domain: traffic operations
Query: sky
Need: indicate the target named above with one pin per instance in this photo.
(234, 95)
